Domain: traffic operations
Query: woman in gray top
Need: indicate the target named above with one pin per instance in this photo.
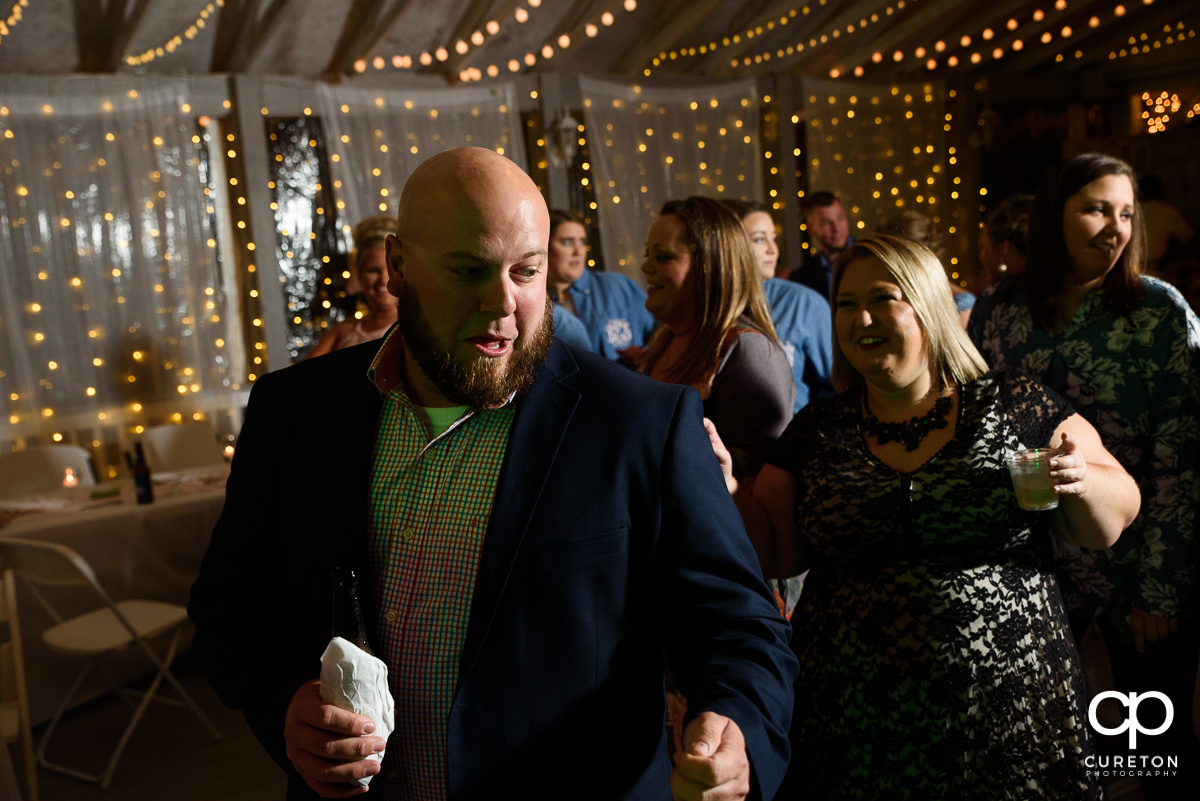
(715, 330)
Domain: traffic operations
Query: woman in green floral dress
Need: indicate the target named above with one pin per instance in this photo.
(1123, 348)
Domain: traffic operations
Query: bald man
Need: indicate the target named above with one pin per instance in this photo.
(536, 528)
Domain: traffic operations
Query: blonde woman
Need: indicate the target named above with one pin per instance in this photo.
(370, 265)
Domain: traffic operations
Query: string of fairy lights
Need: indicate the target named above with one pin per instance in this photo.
(138, 377)
(406, 61)
(1160, 109)
(190, 32)
(769, 25)
(548, 51)
(15, 15)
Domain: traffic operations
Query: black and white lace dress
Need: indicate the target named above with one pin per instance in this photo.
(936, 661)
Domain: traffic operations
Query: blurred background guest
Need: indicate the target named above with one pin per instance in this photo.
(829, 234)
(936, 660)
(569, 329)
(370, 272)
(1122, 347)
(801, 317)
(1004, 243)
(716, 335)
(611, 306)
(1167, 235)
(805, 329)
(918, 226)
(1165, 225)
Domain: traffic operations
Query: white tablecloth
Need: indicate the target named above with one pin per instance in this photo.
(148, 551)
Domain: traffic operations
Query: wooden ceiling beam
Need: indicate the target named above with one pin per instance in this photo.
(125, 27)
(242, 28)
(367, 24)
(103, 32)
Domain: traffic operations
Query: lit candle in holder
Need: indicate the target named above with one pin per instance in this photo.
(228, 451)
(69, 478)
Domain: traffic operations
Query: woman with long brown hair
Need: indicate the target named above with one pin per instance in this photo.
(715, 333)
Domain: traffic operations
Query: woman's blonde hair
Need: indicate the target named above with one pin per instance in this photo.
(923, 283)
(728, 286)
(371, 234)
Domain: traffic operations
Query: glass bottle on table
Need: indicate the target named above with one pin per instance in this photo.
(141, 475)
(347, 612)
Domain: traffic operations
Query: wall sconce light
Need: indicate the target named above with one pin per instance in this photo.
(562, 140)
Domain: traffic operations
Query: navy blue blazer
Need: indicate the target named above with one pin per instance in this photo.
(612, 544)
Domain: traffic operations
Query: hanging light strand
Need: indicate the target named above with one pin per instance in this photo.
(15, 15)
(552, 48)
(1147, 42)
(767, 26)
(405, 61)
(175, 42)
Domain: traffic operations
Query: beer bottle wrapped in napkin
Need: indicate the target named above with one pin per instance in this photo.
(352, 677)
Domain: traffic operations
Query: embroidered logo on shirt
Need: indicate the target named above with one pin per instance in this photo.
(619, 332)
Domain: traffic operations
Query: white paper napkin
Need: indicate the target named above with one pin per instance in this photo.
(353, 679)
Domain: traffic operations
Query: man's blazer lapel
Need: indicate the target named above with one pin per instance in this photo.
(542, 416)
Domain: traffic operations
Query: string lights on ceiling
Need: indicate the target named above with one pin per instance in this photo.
(564, 42)
(1146, 42)
(988, 37)
(136, 363)
(950, 54)
(462, 47)
(15, 15)
(768, 26)
(175, 42)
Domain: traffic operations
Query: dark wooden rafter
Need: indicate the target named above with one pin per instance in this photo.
(242, 27)
(103, 31)
(671, 26)
(367, 24)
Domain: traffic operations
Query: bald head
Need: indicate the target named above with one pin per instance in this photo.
(466, 186)
(468, 263)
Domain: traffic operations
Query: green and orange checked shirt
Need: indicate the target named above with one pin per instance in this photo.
(430, 504)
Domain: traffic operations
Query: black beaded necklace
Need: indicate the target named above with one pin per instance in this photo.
(910, 432)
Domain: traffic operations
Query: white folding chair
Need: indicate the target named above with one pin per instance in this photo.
(41, 468)
(14, 695)
(112, 626)
(178, 447)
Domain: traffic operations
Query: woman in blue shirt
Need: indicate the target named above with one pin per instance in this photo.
(610, 305)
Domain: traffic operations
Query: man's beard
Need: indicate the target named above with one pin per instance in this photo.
(481, 383)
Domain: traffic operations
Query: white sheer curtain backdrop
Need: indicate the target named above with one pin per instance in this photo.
(883, 148)
(652, 144)
(377, 137)
(113, 306)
